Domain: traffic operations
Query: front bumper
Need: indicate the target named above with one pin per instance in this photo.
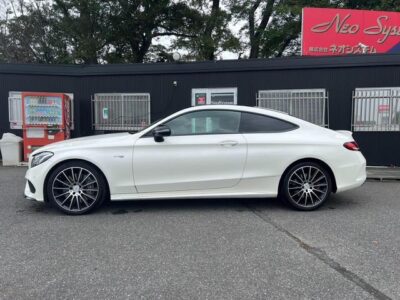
(29, 195)
(29, 198)
(36, 176)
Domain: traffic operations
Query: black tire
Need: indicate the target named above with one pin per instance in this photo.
(306, 186)
(76, 188)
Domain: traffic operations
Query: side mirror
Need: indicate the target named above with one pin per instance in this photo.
(160, 131)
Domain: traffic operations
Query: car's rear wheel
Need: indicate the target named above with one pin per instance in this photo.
(306, 186)
(76, 187)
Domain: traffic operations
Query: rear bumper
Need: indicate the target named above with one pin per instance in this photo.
(351, 175)
(359, 181)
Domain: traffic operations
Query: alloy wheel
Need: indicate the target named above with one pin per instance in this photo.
(308, 186)
(75, 189)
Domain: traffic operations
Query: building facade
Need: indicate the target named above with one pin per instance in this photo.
(357, 93)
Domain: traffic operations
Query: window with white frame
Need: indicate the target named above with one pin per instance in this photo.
(15, 110)
(121, 111)
(376, 109)
(214, 96)
(307, 104)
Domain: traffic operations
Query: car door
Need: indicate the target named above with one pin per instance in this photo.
(272, 145)
(204, 151)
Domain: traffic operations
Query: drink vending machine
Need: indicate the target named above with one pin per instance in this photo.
(46, 119)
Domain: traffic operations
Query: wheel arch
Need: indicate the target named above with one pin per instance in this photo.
(71, 160)
(314, 160)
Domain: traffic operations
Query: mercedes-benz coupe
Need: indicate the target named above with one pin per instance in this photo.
(200, 152)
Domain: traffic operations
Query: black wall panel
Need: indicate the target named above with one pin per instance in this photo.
(380, 148)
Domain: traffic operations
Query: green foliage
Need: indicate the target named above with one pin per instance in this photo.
(209, 34)
(32, 36)
(120, 31)
(135, 24)
(388, 5)
(91, 31)
(83, 25)
(272, 26)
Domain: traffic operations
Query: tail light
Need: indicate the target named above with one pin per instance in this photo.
(353, 146)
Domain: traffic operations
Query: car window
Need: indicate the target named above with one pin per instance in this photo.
(253, 123)
(205, 122)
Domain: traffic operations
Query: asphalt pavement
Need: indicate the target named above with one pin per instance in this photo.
(201, 249)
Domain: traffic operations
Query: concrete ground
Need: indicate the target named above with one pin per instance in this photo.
(383, 173)
(202, 249)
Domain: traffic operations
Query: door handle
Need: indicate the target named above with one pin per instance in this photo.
(228, 143)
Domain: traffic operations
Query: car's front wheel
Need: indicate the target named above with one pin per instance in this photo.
(76, 187)
(306, 186)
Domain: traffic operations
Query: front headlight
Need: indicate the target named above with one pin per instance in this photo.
(40, 158)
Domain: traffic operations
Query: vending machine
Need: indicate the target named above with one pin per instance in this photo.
(46, 119)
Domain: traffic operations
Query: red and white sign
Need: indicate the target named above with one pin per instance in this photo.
(383, 108)
(327, 31)
(200, 98)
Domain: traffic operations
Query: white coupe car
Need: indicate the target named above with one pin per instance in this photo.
(200, 152)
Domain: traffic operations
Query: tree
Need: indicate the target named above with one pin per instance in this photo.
(135, 24)
(118, 31)
(388, 5)
(272, 26)
(209, 34)
(29, 35)
(83, 24)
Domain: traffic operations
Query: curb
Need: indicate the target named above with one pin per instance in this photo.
(383, 173)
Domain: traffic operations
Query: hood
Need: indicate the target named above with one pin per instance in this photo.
(88, 142)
